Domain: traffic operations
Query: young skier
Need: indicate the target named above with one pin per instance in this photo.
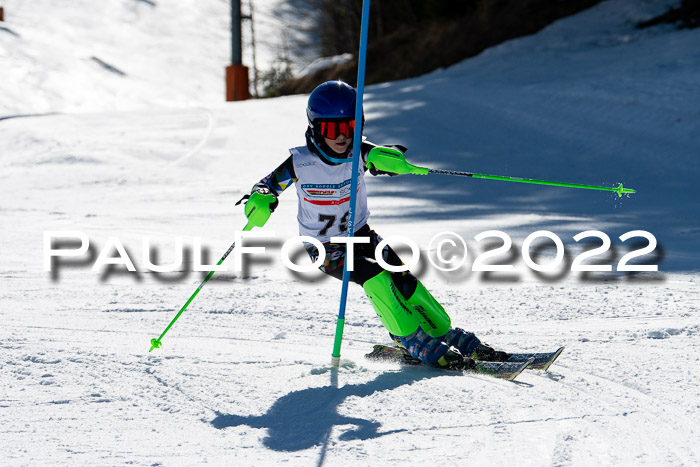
(321, 171)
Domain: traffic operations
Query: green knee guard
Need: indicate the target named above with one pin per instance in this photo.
(397, 317)
(430, 314)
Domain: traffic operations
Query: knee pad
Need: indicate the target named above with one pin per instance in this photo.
(399, 318)
(430, 314)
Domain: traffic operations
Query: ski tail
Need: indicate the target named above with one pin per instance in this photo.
(392, 354)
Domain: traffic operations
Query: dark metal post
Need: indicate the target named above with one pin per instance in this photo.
(236, 73)
(236, 54)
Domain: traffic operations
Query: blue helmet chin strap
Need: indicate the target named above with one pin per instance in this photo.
(335, 160)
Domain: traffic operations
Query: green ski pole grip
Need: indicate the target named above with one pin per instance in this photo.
(393, 161)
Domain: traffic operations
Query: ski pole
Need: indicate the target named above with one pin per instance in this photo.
(356, 154)
(620, 190)
(255, 219)
(393, 160)
(155, 343)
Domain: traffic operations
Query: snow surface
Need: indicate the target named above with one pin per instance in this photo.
(244, 375)
(82, 55)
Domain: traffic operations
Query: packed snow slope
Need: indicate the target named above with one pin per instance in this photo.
(82, 55)
(244, 374)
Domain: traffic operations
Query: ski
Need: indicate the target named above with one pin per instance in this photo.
(505, 370)
(541, 361)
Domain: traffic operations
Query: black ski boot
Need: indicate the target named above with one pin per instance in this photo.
(485, 352)
(453, 360)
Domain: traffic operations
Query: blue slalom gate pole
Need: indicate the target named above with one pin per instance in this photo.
(356, 156)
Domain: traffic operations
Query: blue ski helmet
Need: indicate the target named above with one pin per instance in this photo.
(330, 104)
(332, 99)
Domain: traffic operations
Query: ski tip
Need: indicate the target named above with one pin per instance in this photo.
(553, 359)
(522, 368)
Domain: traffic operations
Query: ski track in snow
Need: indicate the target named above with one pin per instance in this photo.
(244, 375)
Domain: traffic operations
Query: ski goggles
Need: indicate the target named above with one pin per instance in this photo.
(331, 129)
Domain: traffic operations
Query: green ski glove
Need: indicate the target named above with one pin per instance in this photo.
(383, 159)
(259, 205)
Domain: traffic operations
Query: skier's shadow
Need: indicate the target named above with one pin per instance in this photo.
(303, 419)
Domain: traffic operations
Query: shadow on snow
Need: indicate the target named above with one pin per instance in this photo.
(303, 419)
